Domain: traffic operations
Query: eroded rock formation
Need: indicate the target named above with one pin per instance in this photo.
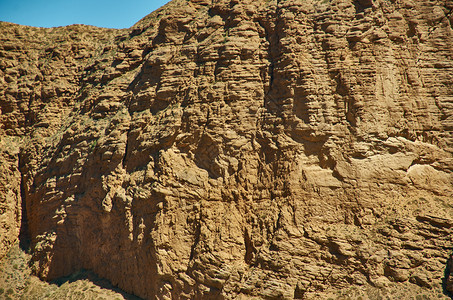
(234, 148)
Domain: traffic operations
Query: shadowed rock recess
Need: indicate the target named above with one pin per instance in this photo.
(235, 149)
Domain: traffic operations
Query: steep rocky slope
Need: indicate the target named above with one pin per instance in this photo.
(235, 149)
(40, 75)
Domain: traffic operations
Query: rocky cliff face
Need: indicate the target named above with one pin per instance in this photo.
(40, 77)
(235, 149)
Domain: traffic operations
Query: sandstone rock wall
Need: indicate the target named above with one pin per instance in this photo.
(270, 149)
(40, 73)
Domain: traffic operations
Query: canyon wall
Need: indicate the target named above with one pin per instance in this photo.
(234, 149)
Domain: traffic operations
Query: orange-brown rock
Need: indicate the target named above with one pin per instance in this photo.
(235, 149)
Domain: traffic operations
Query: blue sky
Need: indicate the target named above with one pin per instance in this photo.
(102, 13)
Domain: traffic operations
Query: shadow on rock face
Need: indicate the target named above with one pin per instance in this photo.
(447, 281)
(92, 277)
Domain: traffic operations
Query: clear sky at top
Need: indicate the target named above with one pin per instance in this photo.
(102, 13)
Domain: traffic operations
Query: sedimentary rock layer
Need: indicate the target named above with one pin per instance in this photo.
(234, 148)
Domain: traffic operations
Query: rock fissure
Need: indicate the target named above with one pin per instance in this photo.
(24, 234)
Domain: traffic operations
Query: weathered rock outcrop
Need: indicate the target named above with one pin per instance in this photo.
(40, 73)
(228, 149)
